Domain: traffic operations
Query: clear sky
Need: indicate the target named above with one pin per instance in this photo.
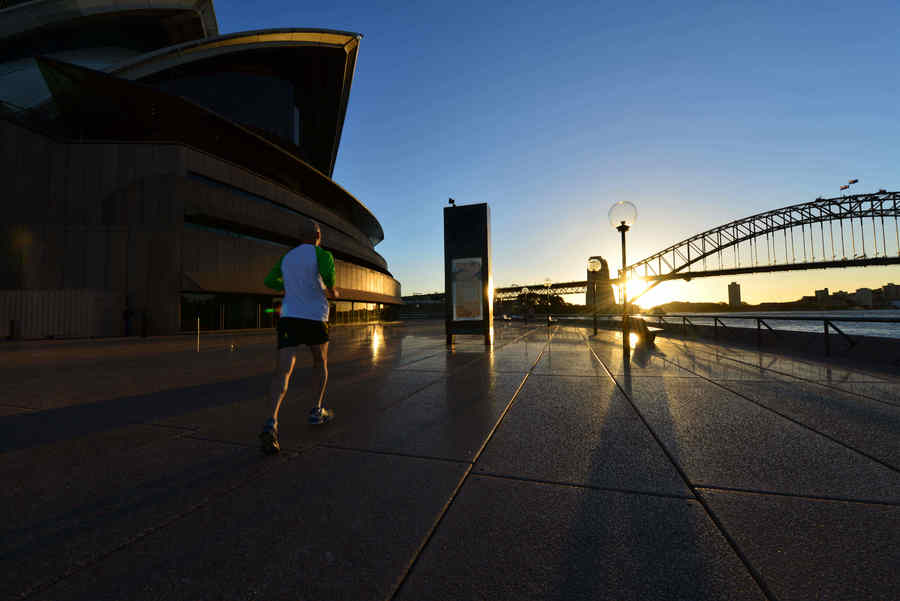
(698, 113)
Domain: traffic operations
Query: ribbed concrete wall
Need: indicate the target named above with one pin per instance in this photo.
(60, 313)
(107, 216)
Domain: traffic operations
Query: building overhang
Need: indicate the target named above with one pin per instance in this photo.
(177, 21)
(96, 106)
(320, 62)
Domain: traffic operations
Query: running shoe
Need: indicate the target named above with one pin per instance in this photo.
(268, 438)
(320, 415)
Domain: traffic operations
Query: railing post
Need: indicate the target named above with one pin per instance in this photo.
(758, 332)
(827, 342)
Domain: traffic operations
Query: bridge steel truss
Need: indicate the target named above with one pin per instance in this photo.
(848, 223)
(845, 223)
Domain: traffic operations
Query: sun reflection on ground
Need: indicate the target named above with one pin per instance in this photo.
(377, 341)
(633, 338)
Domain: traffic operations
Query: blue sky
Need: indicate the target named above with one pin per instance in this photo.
(698, 113)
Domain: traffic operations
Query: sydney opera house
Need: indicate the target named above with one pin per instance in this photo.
(154, 169)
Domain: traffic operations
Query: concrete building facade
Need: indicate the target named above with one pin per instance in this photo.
(141, 198)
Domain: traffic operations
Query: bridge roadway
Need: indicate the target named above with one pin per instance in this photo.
(549, 468)
(580, 286)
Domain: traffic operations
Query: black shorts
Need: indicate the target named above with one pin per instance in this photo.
(293, 331)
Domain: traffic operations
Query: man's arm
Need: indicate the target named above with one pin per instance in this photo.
(275, 279)
(325, 261)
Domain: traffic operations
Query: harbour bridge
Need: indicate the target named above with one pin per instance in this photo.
(847, 231)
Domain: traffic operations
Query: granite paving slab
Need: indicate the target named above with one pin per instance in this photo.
(579, 430)
(328, 524)
(783, 365)
(356, 401)
(885, 392)
(445, 361)
(721, 439)
(69, 502)
(814, 549)
(450, 419)
(56, 386)
(863, 424)
(68, 422)
(509, 539)
(8, 410)
(518, 356)
(569, 360)
(642, 360)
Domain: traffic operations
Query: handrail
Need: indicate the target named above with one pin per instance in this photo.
(828, 322)
(721, 316)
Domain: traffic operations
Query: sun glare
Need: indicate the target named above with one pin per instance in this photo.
(657, 295)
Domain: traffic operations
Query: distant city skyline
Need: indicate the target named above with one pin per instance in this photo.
(698, 113)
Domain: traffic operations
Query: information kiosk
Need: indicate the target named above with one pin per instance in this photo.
(468, 285)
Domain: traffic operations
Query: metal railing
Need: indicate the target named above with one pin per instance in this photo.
(691, 321)
(828, 324)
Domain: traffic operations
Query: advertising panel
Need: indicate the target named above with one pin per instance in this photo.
(467, 286)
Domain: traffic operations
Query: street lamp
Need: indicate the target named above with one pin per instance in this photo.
(547, 295)
(594, 265)
(622, 216)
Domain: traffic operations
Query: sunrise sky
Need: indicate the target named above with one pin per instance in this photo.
(698, 113)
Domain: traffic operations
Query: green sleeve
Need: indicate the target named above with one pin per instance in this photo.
(275, 279)
(326, 266)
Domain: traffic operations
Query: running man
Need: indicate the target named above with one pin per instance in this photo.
(305, 274)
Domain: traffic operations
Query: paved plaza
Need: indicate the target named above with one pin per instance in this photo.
(550, 467)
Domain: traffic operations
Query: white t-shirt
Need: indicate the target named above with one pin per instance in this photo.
(304, 288)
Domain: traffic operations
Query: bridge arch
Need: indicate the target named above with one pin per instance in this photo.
(858, 220)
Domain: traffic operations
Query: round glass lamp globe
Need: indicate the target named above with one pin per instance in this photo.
(594, 265)
(622, 212)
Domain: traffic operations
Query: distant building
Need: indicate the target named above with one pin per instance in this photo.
(822, 296)
(430, 305)
(734, 295)
(863, 296)
(891, 292)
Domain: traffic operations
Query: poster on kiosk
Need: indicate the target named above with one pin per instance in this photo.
(468, 284)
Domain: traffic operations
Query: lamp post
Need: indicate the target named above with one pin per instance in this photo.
(594, 265)
(547, 283)
(525, 306)
(622, 216)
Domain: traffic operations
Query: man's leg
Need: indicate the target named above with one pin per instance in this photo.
(277, 390)
(319, 414)
(281, 378)
(320, 367)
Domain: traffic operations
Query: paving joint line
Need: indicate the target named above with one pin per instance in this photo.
(90, 562)
(19, 407)
(585, 486)
(802, 379)
(327, 445)
(822, 498)
(444, 351)
(709, 512)
(170, 426)
(233, 443)
(791, 419)
(398, 585)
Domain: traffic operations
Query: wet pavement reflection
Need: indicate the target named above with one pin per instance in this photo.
(601, 469)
